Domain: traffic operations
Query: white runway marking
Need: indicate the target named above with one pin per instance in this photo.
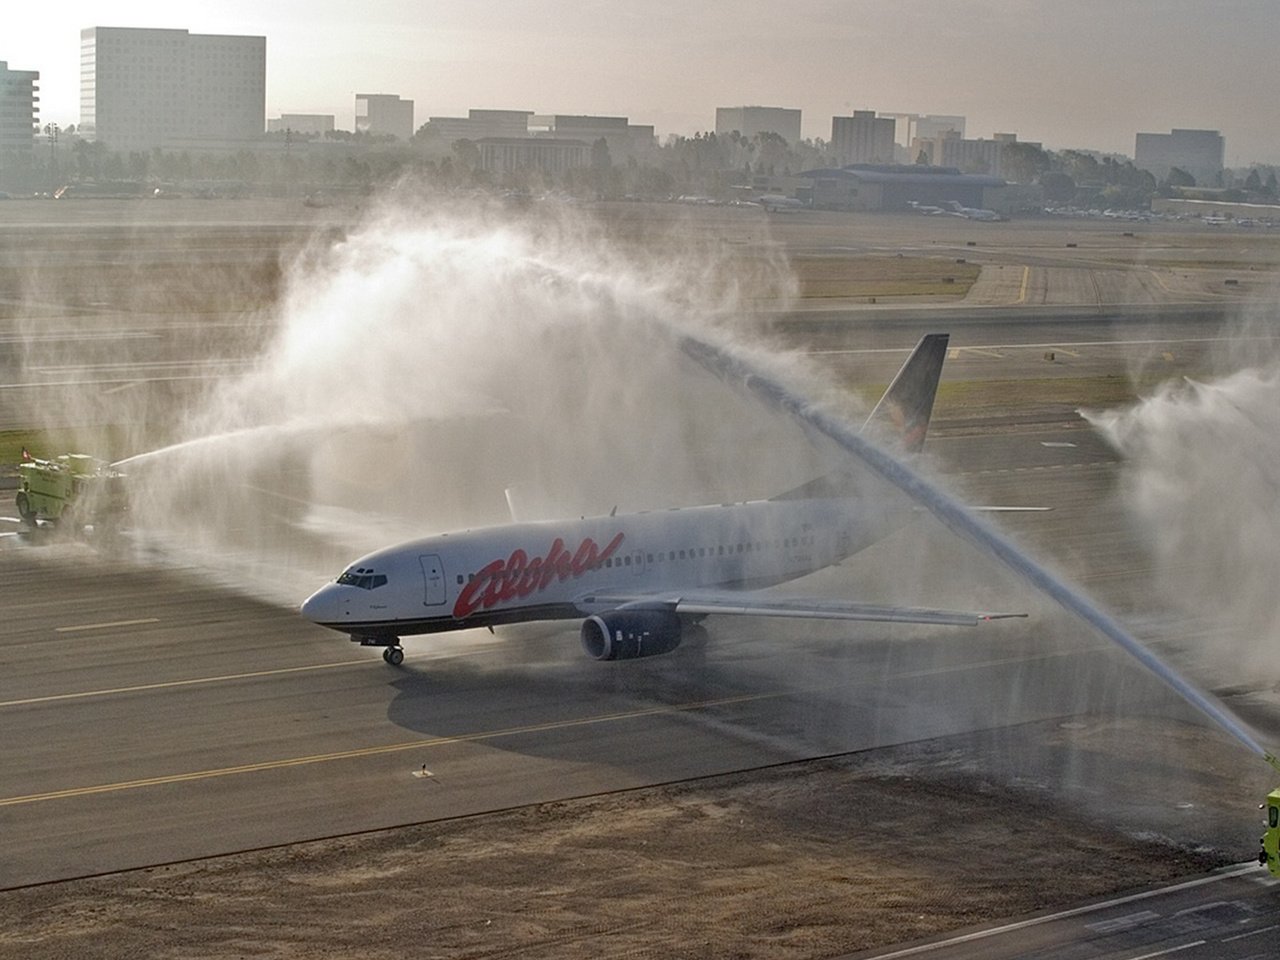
(32, 385)
(1165, 953)
(103, 626)
(1252, 933)
(1048, 344)
(1066, 914)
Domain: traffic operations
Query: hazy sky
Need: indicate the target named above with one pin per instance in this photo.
(1087, 73)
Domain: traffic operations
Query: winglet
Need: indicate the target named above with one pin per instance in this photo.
(903, 412)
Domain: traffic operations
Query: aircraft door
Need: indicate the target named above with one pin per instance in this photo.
(637, 563)
(432, 580)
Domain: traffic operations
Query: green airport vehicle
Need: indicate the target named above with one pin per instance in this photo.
(74, 489)
(1269, 855)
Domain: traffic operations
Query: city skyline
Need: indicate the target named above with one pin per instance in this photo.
(1090, 74)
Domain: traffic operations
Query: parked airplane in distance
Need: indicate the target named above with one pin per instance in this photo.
(955, 208)
(641, 581)
(776, 203)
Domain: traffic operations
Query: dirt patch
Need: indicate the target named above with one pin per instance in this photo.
(804, 860)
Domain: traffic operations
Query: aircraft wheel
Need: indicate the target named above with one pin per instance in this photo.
(394, 656)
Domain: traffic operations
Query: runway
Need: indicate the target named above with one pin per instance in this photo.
(152, 718)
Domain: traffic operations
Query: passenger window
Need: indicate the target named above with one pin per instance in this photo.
(681, 554)
(459, 579)
(627, 561)
(609, 562)
(649, 558)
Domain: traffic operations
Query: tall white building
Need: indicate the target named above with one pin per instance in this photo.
(384, 113)
(140, 87)
(1198, 152)
(862, 138)
(18, 110)
(750, 121)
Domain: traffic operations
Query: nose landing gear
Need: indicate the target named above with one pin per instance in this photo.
(392, 652)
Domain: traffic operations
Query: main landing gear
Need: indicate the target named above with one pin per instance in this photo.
(392, 652)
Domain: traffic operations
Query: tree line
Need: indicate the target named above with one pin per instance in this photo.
(705, 164)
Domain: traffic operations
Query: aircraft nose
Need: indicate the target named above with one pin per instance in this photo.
(321, 606)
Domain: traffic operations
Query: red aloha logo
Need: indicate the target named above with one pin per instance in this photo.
(518, 576)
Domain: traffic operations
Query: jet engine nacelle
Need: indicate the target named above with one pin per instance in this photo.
(630, 634)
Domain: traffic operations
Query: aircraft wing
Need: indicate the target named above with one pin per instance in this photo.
(755, 604)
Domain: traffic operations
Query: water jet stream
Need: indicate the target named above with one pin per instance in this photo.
(733, 367)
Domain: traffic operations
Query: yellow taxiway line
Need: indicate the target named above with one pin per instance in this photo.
(480, 736)
(224, 678)
(379, 750)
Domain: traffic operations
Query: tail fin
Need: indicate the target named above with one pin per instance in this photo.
(902, 415)
(900, 418)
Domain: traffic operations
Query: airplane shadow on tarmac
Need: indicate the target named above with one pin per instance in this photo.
(1065, 720)
(788, 691)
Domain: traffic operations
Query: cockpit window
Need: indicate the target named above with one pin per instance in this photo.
(362, 577)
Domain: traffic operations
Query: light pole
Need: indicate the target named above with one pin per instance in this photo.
(51, 130)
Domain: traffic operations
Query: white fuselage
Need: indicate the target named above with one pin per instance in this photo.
(549, 570)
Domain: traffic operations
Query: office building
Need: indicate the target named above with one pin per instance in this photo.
(862, 138)
(479, 124)
(930, 126)
(623, 138)
(306, 124)
(548, 154)
(140, 87)
(1198, 152)
(750, 121)
(384, 113)
(951, 149)
(19, 115)
(923, 126)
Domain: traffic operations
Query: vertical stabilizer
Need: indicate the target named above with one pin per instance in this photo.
(901, 418)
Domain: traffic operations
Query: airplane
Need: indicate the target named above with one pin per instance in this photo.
(956, 209)
(642, 582)
(776, 203)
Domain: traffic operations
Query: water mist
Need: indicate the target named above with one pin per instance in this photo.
(433, 362)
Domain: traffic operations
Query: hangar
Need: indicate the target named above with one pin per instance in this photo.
(866, 186)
